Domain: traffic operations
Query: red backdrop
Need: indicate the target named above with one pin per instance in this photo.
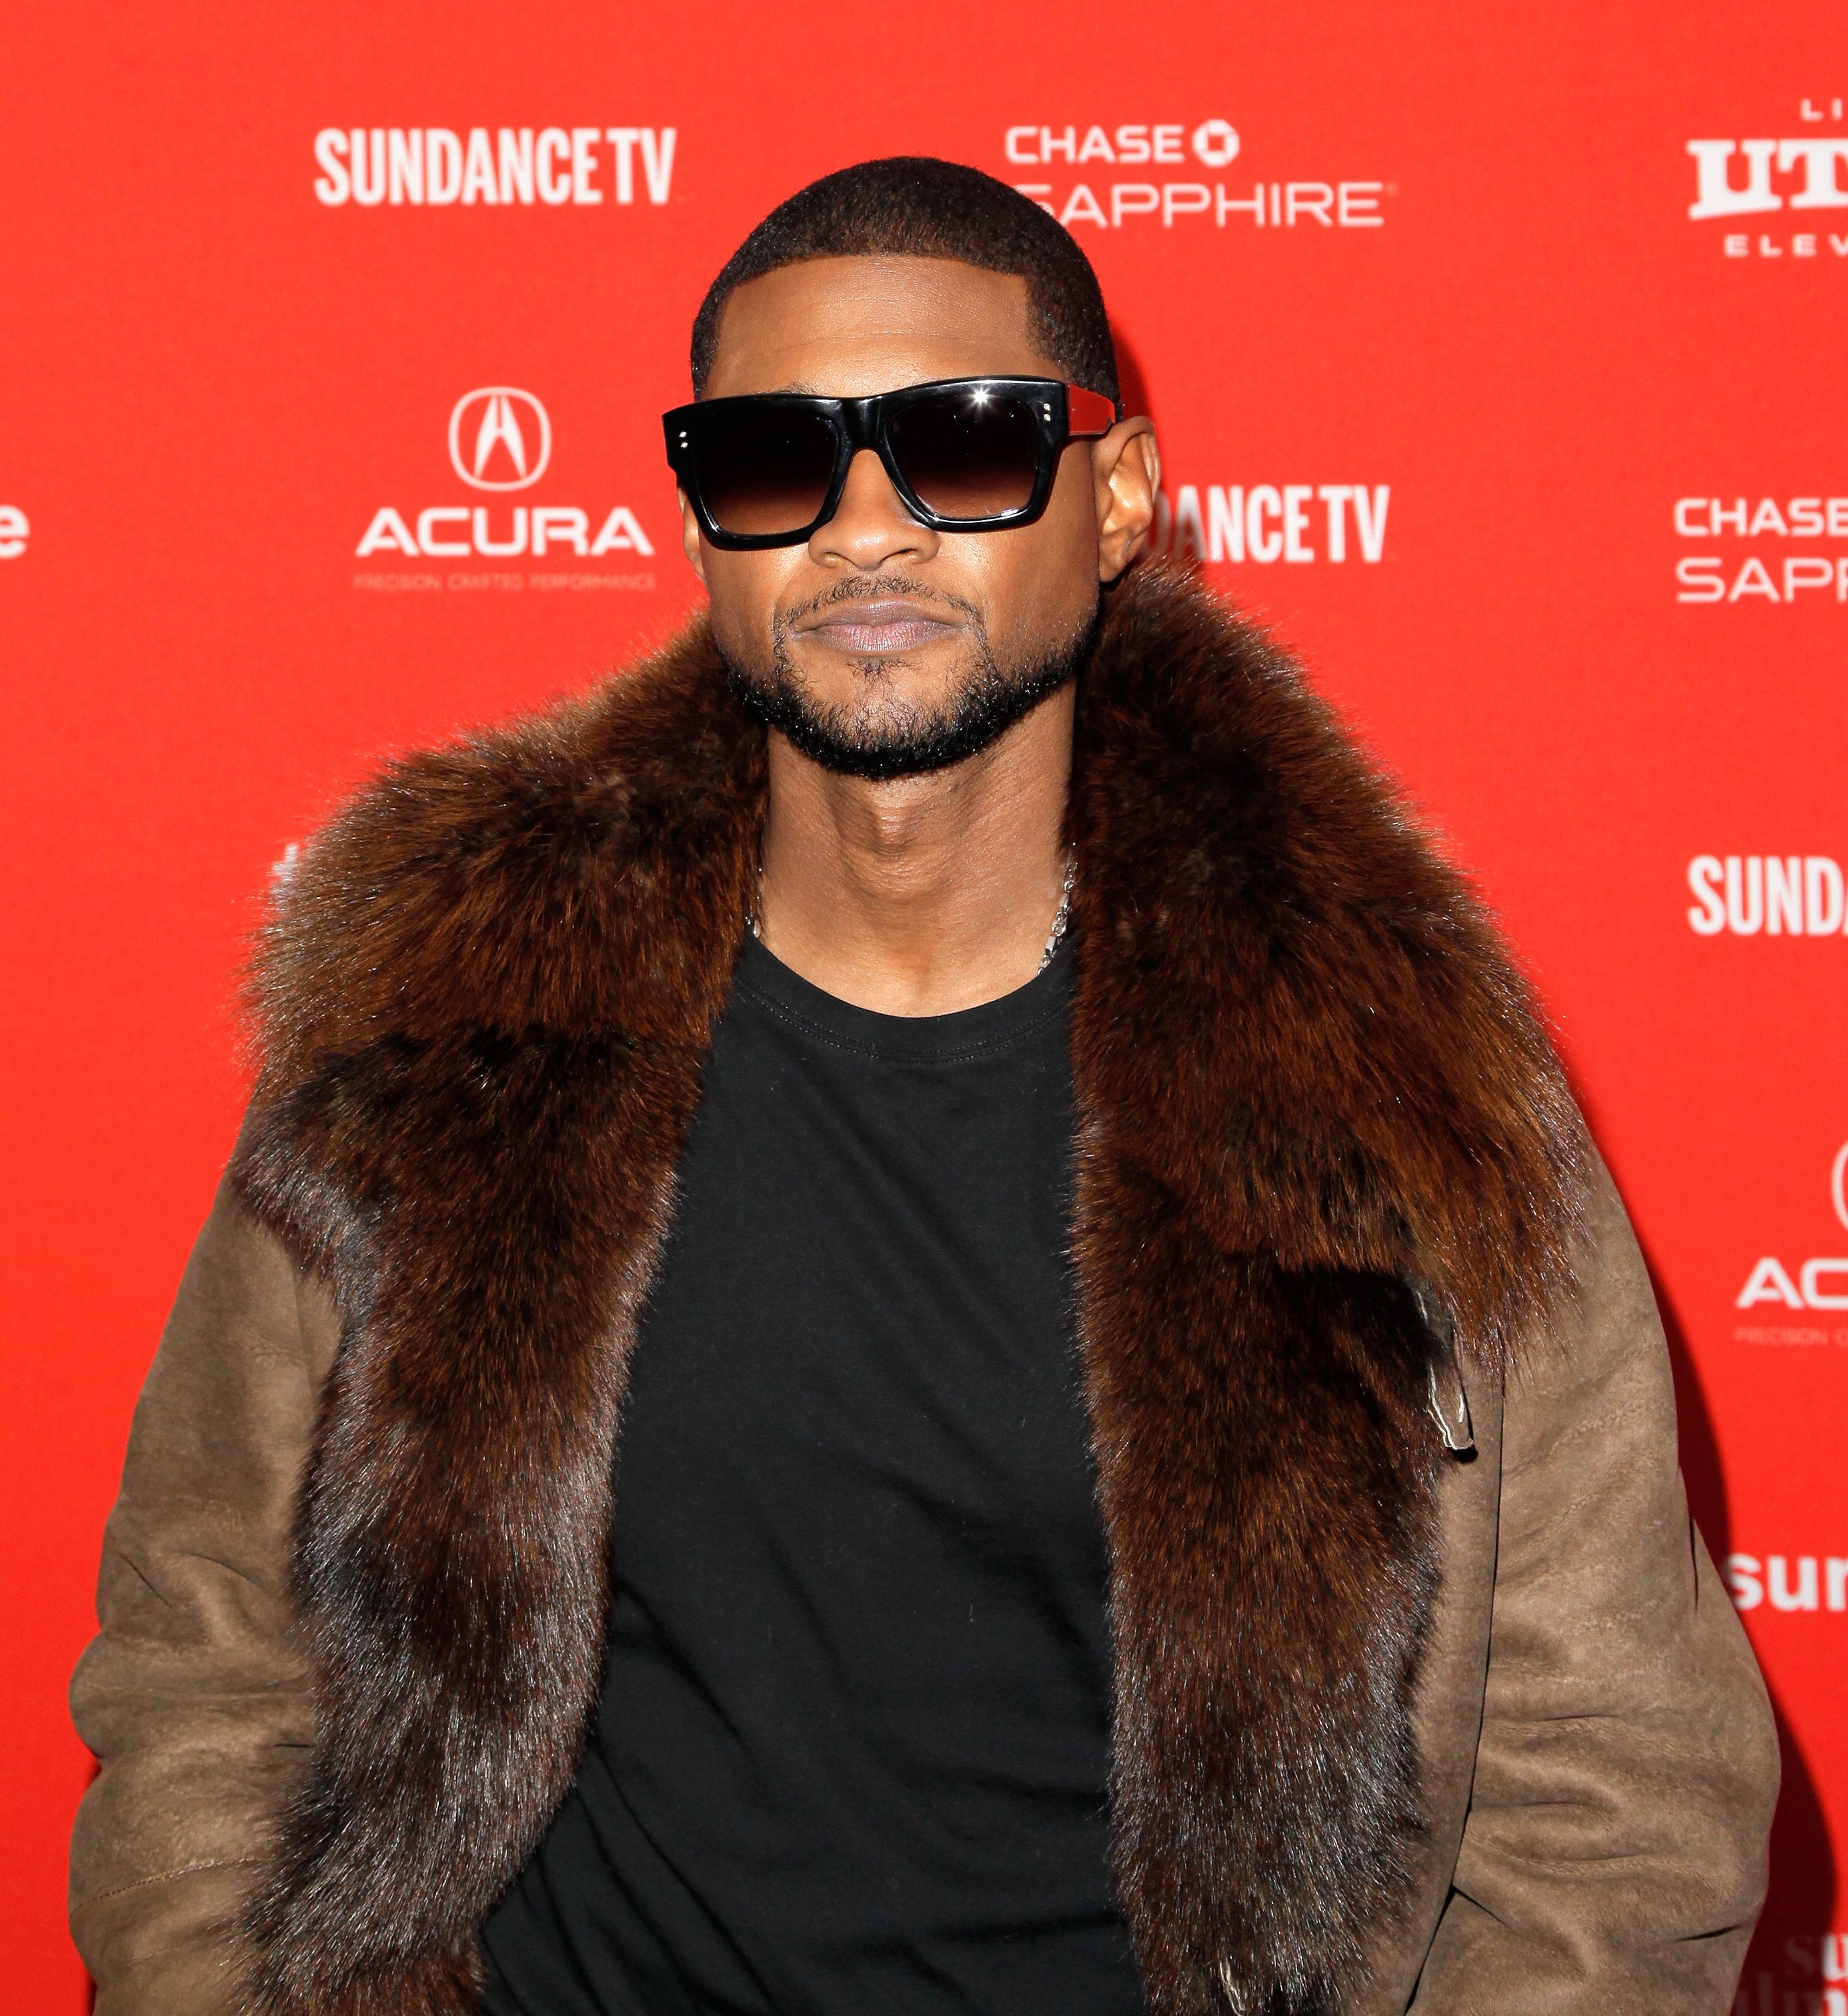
(1496, 353)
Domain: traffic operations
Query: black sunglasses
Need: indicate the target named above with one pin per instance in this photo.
(965, 454)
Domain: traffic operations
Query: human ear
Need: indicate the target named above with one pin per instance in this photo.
(1126, 469)
(689, 536)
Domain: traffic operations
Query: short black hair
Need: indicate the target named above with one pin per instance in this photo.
(914, 206)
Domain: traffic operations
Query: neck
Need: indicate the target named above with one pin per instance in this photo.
(919, 895)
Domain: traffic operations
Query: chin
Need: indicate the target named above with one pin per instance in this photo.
(926, 678)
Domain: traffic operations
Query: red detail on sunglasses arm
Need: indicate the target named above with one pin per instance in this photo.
(1088, 412)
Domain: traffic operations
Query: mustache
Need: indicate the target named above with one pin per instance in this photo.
(877, 587)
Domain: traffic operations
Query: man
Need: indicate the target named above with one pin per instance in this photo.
(911, 1318)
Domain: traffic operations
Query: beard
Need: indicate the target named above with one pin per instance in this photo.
(876, 737)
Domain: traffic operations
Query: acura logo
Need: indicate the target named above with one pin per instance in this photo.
(499, 438)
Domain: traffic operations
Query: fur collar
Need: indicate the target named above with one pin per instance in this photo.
(1311, 1091)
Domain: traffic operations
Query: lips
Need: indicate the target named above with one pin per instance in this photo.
(881, 628)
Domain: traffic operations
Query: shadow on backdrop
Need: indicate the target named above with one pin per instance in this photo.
(1131, 384)
(1801, 1900)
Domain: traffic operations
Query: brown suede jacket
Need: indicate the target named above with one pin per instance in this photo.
(1427, 1695)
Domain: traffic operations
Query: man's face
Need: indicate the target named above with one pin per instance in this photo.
(881, 647)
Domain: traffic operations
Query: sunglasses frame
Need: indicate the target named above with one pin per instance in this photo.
(1062, 413)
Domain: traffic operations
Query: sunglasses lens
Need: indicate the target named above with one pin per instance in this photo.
(972, 452)
(764, 468)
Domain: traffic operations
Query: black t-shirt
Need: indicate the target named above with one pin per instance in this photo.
(852, 1746)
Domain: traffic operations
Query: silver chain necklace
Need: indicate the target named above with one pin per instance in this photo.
(1061, 916)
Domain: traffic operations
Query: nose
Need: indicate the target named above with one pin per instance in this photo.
(871, 527)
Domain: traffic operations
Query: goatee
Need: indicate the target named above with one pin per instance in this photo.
(986, 704)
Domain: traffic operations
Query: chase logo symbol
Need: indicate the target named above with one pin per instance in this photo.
(1215, 142)
(500, 438)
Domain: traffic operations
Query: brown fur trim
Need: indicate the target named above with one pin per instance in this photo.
(486, 998)
(1306, 1078)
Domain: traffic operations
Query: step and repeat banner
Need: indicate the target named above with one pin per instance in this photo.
(1497, 354)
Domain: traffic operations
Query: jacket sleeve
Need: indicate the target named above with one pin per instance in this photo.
(193, 1696)
(1614, 1854)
